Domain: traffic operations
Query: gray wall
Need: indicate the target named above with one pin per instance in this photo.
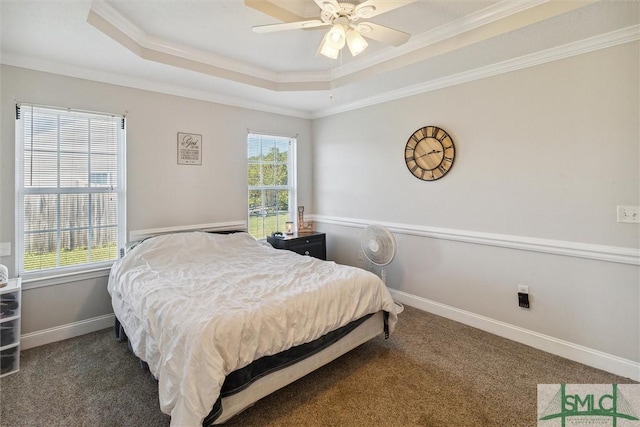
(542, 153)
(161, 193)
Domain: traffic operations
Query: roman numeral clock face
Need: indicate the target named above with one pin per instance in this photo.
(429, 153)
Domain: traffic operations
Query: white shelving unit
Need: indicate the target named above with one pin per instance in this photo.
(10, 306)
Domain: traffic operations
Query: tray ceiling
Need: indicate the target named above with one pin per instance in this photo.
(206, 49)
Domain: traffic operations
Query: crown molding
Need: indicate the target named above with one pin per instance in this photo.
(144, 84)
(106, 19)
(625, 35)
(452, 29)
(420, 47)
(113, 24)
(622, 36)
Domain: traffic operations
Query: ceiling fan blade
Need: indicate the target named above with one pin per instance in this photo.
(330, 6)
(370, 8)
(273, 10)
(300, 25)
(382, 34)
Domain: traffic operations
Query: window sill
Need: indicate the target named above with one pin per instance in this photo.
(61, 279)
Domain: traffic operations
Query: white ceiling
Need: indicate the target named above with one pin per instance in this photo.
(205, 48)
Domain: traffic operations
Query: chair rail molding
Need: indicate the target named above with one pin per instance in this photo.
(616, 254)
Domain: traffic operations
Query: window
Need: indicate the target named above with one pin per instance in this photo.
(272, 183)
(70, 187)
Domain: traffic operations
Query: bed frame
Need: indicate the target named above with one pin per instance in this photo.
(236, 403)
(279, 377)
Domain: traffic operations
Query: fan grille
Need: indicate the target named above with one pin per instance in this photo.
(378, 245)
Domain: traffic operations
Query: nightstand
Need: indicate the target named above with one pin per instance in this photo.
(313, 244)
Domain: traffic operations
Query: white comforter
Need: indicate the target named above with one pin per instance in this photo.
(197, 306)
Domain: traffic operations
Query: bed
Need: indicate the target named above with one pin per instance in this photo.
(223, 320)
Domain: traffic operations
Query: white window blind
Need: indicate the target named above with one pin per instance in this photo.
(271, 175)
(70, 181)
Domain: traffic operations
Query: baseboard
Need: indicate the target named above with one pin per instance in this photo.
(63, 332)
(585, 355)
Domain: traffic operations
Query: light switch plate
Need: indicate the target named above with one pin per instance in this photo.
(5, 248)
(628, 214)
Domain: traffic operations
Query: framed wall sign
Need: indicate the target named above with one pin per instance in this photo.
(189, 149)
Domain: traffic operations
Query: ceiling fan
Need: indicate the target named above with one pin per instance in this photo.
(343, 19)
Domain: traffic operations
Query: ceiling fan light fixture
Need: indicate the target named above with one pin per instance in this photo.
(356, 42)
(341, 16)
(327, 49)
(337, 36)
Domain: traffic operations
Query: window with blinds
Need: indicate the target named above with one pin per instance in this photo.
(271, 175)
(71, 189)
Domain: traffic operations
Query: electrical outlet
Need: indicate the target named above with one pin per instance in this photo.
(523, 300)
(523, 296)
(628, 214)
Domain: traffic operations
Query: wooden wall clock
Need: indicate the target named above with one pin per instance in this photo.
(429, 153)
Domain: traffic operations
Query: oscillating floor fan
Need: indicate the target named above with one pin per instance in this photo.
(379, 246)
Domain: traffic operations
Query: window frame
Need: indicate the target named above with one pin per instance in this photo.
(21, 191)
(291, 186)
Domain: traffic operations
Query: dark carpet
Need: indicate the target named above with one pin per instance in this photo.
(431, 372)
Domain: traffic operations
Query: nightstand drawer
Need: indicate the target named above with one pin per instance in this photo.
(312, 244)
(313, 248)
